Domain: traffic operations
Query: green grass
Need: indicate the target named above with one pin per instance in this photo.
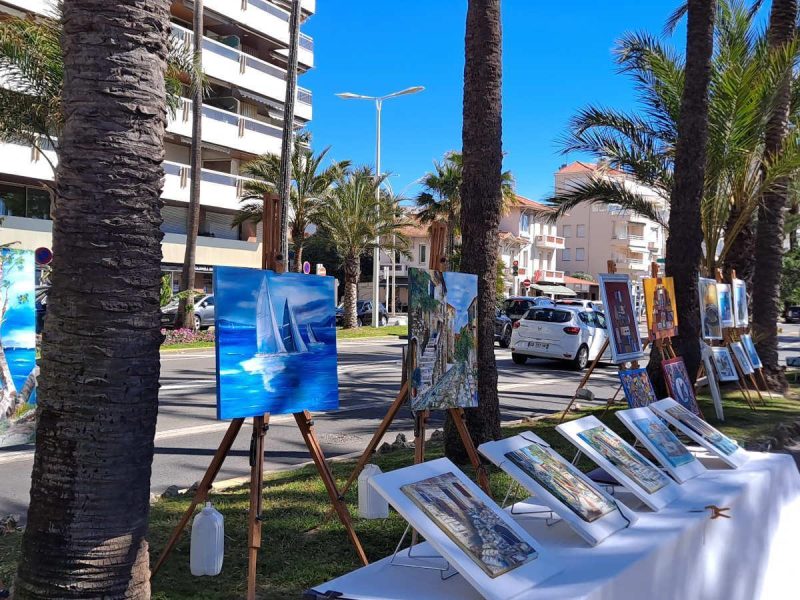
(187, 346)
(367, 332)
(298, 553)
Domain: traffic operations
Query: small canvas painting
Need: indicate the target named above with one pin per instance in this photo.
(721, 442)
(659, 302)
(623, 326)
(276, 343)
(725, 304)
(741, 358)
(559, 479)
(711, 323)
(752, 354)
(18, 369)
(638, 387)
(679, 385)
(667, 443)
(723, 362)
(472, 525)
(739, 293)
(442, 340)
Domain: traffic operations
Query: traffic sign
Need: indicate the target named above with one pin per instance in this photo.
(661, 261)
(321, 270)
(527, 283)
(306, 267)
(43, 256)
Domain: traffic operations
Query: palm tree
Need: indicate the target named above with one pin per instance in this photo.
(481, 205)
(98, 394)
(352, 218)
(770, 234)
(310, 188)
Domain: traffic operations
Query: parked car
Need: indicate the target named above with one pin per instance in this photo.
(586, 304)
(502, 328)
(792, 314)
(516, 306)
(566, 333)
(363, 314)
(203, 312)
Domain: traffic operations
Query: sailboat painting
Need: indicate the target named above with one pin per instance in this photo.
(276, 343)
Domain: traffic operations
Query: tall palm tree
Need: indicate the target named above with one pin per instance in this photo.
(481, 204)
(781, 36)
(98, 394)
(311, 186)
(352, 218)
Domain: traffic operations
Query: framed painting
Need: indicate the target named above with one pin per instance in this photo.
(560, 486)
(660, 308)
(711, 324)
(697, 430)
(739, 296)
(477, 537)
(679, 385)
(276, 342)
(725, 298)
(17, 347)
(623, 327)
(726, 370)
(442, 340)
(712, 379)
(621, 461)
(752, 353)
(664, 445)
(638, 387)
(740, 356)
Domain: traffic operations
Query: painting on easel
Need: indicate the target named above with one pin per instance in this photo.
(615, 291)
(752, 354)
(276, 343)
(725, 305)
(741, 358)
(442, 340)
(739, 294)
(638, 388)
(711, 323)
(679, 385)
(660, 308)
(723, 363)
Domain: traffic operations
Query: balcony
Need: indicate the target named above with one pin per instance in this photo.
(549, 276)
(549, 241)
(228, 129)
(242, 70)
(219, 190)
(266, 18)
(24, 161)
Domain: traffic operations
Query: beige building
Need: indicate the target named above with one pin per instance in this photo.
(245, 45)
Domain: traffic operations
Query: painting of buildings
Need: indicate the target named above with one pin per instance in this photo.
(476, 528)
(638, 388)
(667, 443)
(709, 309)
(725, 298)
(723, 362)
(721, 442)
(660, 308)
(623, 330)
(442, 340)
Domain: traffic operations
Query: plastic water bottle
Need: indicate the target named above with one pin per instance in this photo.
(208, 542)
(371, 505)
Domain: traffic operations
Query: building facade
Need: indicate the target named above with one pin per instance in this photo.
(245, 49)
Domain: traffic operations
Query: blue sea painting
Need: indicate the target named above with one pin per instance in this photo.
(276, 342)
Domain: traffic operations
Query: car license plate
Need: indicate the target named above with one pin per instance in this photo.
(540, 345)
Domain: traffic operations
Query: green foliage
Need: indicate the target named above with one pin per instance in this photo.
(790, 278)
(464, 344)
(581, 275)
(418, 282)
(499, 285)
(165, 293)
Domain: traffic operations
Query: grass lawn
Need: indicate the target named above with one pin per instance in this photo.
(367, 332)
(297, 553)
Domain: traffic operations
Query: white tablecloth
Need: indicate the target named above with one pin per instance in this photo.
(674, 554)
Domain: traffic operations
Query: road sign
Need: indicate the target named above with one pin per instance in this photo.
(321, 270)
(661, 261)
(526, 283)
(43, 256)
(306, 267)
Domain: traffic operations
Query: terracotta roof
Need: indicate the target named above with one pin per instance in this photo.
(576, 281)
(415, 231)
(528, 203)
(582, 167)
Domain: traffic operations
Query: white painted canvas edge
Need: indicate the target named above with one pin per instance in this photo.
(702, 312)
(713, 383)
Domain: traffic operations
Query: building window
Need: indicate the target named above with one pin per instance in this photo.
(580, 253)
(580, 231)
(21, 201)
(524, 222)
(567, 231)
(565, 255)
(423, 251)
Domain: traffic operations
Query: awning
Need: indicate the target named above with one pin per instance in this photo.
(555, 290)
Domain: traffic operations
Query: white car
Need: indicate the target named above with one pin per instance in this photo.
(567, 333)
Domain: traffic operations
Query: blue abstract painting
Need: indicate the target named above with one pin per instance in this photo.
(276, 343)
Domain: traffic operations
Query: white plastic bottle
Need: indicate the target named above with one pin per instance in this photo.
(371, 505)
(208, 542)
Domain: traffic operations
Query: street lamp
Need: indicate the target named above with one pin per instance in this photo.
(377, 254)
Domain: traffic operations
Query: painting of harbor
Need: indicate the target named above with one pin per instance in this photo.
(476, 528)
(720, 441)
(276, 343)
(442, 340)
(561, 480)
(667, 443)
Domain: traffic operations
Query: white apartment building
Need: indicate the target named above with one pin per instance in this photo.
(245, 49)
(595, 234)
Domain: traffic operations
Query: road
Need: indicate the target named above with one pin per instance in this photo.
(369, 376)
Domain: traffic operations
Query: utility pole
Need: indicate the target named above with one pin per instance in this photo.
(287, 142)
(184, 319)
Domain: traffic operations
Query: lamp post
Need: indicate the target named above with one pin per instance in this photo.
(377, 253)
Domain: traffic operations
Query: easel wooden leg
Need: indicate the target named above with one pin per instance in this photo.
(611, 402)
(260, 427)
(202, 491)
(585, 379)
(459, 419)
(306, 425)
(758, 391)
(420, 422)
(764, 382)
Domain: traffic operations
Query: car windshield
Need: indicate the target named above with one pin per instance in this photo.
(517, 307)
(548, 315)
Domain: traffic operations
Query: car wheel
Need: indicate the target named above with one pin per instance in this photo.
(519, 359)
(198, 323)
(505, 338)
(581, 359)
(383, 321)
(359, 322)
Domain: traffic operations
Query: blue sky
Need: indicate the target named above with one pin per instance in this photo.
(557, 59)
(19, 326)
(461, 291)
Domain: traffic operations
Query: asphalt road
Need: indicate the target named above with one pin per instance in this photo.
(369, 377)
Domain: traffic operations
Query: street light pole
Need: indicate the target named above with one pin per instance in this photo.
(376, 257)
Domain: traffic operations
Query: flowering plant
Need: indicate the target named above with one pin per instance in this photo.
(186, 336)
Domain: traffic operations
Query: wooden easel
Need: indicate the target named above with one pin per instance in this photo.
(271, 259)
(437, 262)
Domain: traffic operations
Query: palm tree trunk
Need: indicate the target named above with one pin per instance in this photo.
(794, 210)
(298, 257)
(98, 395)
(740, 257)
(352, 273)
(684, 245)
(481, 200)
(769, 233)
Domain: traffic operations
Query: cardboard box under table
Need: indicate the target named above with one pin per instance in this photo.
(678, 552)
